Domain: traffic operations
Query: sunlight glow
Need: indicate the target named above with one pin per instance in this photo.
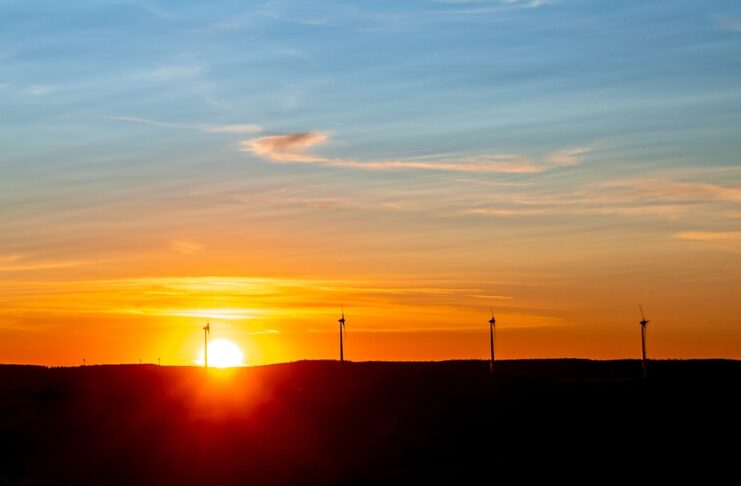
(223, 353)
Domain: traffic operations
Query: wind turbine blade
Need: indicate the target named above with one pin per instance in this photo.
(643, 318)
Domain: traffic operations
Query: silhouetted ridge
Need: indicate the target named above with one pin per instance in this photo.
(321, 422)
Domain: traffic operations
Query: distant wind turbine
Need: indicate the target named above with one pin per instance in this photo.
(341, 321)
(643, 341)
(492, 328)
(206, 335)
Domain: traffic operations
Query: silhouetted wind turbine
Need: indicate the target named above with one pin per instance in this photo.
(206, 335)
(492, 327)
(342, 334)
(643, 341)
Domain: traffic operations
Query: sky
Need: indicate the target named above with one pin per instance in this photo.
(260, 164)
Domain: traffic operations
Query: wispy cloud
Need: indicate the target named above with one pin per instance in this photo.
(578, 209)
(240, 128)
(286, 148)
(566, 157)
(720, 240)
(507, 212)
(17, 264)
(224, 297)
(186, 247)
(158, 11)
(174, 72)
(470, 7)
(264, 331)
(710, 235)
(650, 197)
(295, 148)
(147, 121)
(225, 314)
(669, 190)
(40, 89)
(728, 23)
(528, 3)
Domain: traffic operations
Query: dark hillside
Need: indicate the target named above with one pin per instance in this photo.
(535, 422)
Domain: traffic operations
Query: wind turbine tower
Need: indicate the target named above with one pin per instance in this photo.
(341, 321)
(492, 328)
(206, 336)
(643, 342)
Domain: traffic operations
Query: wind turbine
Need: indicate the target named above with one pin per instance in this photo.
(341, 321)
(206, 335)
(492, 328)
(643, 341)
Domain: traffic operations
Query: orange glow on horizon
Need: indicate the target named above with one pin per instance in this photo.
(159, 319)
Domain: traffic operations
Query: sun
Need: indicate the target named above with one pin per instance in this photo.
(223, 353)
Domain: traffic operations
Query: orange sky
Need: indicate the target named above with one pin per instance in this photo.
(586, 306)
(257, 164)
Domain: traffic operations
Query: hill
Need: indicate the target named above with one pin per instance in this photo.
(319, 422)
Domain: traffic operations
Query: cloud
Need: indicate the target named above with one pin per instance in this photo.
(583, 209)
(528, 3)
(728, 23)
(16, 264)
(567, 157)
(647, 197)
(483, 7)
(147, 121)
(286, 148)
(159, 11)
(221, 314)
(243, 128)
(631, 190)
(174, 72)
(186, 247)
(721, 240)
(507, 212)
(294, 148)
(40, 89)
(710, 235)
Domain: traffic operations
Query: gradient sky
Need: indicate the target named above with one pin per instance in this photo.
(257, 163)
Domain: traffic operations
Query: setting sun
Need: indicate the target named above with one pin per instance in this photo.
(223, 353)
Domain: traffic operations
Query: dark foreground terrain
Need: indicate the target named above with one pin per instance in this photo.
(535, 422)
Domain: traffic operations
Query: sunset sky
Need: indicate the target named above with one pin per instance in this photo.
(258, 163)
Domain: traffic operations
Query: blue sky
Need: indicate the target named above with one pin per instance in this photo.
(388, 79)
(562, 137)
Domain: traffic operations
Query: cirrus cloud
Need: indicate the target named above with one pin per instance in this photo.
(717, 240)
(238, 128)
(295, 148)
(286, 148)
